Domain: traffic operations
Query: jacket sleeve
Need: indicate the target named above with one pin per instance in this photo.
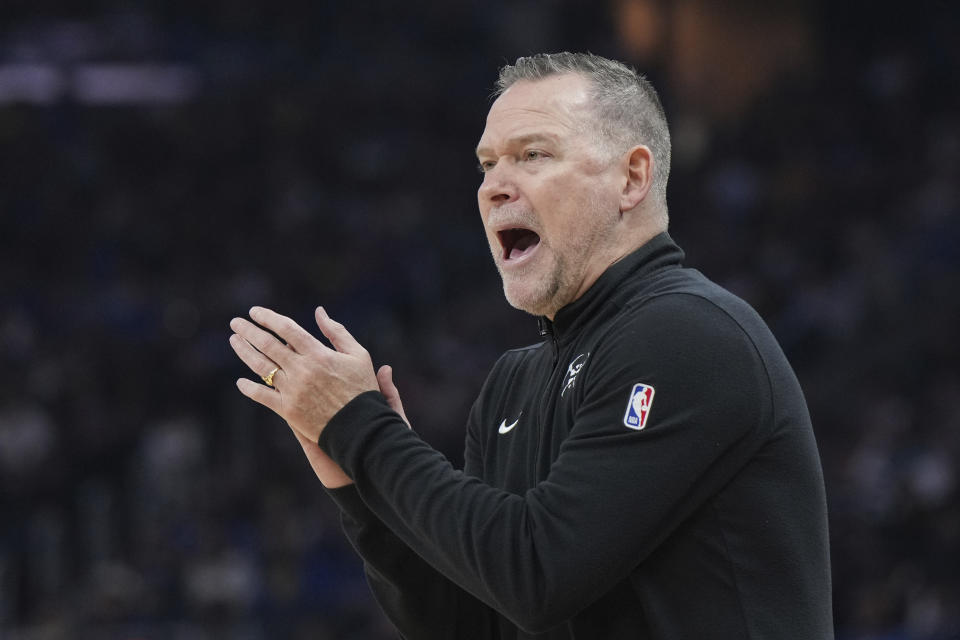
(612, 494)
(419, 601)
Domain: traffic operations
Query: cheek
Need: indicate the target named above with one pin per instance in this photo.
(580, 220)
(567, 205)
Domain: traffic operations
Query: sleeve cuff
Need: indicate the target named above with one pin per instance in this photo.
(348, 499)
(344, 437)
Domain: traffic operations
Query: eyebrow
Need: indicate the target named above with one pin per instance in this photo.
(521, 141)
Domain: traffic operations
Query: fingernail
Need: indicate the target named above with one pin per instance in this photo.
(323, 311)
(255, 311)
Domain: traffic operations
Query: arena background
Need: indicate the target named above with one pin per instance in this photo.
(164, 166)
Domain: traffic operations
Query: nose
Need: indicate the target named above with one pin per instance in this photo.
(498, 186)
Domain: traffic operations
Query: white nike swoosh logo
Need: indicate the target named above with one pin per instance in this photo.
(507, 428)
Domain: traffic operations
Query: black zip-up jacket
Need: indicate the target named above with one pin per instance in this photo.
(648, 471)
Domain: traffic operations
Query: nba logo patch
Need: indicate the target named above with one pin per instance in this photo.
(638, 407)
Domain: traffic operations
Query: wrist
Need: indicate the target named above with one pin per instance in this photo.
(336, 480)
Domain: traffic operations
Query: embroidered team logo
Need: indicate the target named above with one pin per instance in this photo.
(638, 407)
(573, 369)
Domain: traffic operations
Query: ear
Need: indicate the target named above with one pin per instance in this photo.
(639, 177)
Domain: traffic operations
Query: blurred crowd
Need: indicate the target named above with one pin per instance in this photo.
(324, 156)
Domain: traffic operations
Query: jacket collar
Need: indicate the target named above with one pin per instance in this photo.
(659, 252)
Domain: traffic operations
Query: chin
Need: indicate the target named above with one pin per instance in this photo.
(537, 303)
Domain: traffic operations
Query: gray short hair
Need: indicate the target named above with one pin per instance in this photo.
(627, 106)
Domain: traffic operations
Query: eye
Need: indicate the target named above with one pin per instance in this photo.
(531, 155)
(485, 165)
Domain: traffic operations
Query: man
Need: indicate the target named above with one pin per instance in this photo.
(647, 471)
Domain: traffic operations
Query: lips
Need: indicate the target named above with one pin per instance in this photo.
(517, 242)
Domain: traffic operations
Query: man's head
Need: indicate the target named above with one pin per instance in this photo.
(575, 157)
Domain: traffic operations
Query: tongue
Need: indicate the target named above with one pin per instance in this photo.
(524, 245)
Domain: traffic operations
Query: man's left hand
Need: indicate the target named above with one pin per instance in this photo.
(312, 381)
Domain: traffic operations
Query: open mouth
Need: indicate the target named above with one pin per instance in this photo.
(517, 242)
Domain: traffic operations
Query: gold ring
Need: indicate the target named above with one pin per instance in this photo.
(268, 379)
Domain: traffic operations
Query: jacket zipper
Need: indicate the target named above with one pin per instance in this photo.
(546, 331)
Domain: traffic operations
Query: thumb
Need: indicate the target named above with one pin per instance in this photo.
(389, 390)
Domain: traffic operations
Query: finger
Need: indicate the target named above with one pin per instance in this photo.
(294, 335)
(389, 390)
(260, 393)
(264, 342)
(337, 334)
(258, 363)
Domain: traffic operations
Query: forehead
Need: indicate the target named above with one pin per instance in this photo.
(555, 106)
